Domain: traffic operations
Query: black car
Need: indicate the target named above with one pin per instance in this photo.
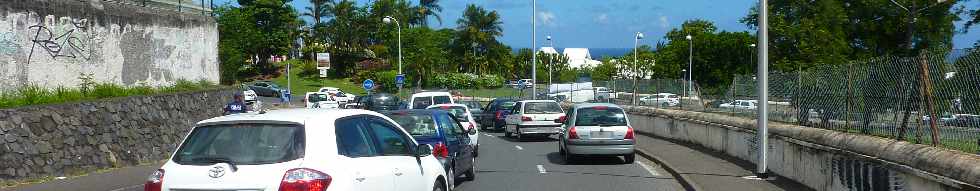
(495, 111)
(380, 102)
(265, 88)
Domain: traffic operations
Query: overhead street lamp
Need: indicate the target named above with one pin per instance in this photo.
(389, 20)
(690, 63)
(636, 42)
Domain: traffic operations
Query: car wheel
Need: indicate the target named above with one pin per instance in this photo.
(476, 151)
(471, 174)
(569, 158)
(628, 159)
(506, 133)
(517, 130)
(452, 178)
(664, 105)
(439, 186)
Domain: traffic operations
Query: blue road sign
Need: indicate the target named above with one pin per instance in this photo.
(400, 80)
(368, 84)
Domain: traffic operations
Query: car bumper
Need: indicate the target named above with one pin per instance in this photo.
(600, 149)
(538, 129)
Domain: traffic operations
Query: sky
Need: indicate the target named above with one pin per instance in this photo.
(608, 23)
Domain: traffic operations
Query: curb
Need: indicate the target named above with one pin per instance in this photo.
(683, 179)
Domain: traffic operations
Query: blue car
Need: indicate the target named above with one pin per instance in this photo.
(450, 140)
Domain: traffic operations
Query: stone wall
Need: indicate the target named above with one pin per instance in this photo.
(820, 159)
(52, 43)
(72, 138)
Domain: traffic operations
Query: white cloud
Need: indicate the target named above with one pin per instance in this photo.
(546, 18)
(602, 18)
(663, 22)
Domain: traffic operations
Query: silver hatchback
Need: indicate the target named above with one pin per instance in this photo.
(596, 129)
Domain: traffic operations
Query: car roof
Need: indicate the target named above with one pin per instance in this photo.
(427, 94)
(415, 111)
(539, 101)
(585, 105)
(286, 116)
(448, 104)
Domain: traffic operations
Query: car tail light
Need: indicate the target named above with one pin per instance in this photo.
(440, 150)
(561, 119)
(471, 127)
(525, 118)
(500, 114)
(304, 179)
(600, 108)
(444, 107)
(572, 134)
(629, 133)
(154, 182)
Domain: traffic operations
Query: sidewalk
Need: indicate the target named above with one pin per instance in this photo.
(709, 171)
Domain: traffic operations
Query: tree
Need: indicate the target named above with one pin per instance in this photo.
(478, 31)
(258, 29)
(429, 8)
(318, 10)
(717, 58)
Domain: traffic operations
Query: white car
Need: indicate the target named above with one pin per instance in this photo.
(534, 117)
(528, 83)
(465, 118)
(661, 99)
(741, 105)
(425, 99)
(597, 129)
(319, 100)
(340, 96)
(300, 149)
(249, 96)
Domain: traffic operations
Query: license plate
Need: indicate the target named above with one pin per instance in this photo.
(602, 134)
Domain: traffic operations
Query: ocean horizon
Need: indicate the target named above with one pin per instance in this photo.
(599, 53)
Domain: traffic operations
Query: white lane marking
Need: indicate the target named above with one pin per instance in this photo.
(488, 134)
(649, 169)
(541, 169)
(127, 188)
(519, 147)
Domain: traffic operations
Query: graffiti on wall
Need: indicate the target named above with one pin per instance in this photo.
(69, 44)
(8, 45)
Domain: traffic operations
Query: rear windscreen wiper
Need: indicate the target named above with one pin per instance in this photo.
(218, 159)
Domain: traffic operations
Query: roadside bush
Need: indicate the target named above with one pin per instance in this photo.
(36, 95)
(466, 81)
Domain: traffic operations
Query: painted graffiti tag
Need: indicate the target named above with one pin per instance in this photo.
(66, 44)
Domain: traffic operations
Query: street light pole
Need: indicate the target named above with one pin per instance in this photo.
(389, 19)
(763, 83)
(534, 55)
(690, 63)
(550, 58)
(636, 43)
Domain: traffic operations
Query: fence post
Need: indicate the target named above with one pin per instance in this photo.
(927, 83)
(847, 96)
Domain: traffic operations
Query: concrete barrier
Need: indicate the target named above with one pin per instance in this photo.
(818, 158)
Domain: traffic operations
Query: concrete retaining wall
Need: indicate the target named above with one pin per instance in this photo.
(65, 139)
(52, 43)
(820, 159)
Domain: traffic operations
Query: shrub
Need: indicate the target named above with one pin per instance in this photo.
(465, 81)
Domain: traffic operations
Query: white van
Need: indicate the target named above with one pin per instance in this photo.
(425, 99)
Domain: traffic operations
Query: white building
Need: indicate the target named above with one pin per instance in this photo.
(580, 57)
(548, 50)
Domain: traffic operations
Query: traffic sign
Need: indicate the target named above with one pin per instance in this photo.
(400, 80)
(368, 84)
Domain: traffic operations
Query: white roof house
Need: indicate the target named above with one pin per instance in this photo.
(579, 57)
(548, 50)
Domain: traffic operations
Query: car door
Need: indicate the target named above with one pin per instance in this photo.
(464, 155)
(455, 138)
(396, 150)
(514, 117)
(356, 145)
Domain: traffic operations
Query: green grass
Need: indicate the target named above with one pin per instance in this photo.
(36, 95)
(492, 93)
(301, 85)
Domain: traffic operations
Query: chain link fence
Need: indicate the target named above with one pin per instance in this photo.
(932, 99)
(204, 7)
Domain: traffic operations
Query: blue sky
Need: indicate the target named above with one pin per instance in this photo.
(608, 23)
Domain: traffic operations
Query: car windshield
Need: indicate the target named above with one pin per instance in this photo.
(385, 100)
(458, 111)
(242, 144)
(542, 108)
(418, 125)
(600, 116)
(318, 97)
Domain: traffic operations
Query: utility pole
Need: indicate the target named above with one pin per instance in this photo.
(763, 73)
(534, 55)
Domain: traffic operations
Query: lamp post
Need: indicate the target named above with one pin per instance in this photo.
(550, 58)
(690, 63)
(636, 42)
(763, 107)
(534, 56)
(389, 20)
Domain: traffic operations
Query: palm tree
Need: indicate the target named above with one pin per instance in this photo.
(319, 9)
(478, 27)
(429, 8)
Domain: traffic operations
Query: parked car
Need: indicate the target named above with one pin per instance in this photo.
(439, 128)
(465, 118)
(358, 103)
(381, 102)
(602, 94)
(533, 117)
(341, 96)
(596, 129)
(319, 100)
(966, 120)
(661, 99)
(265, 89)
(249, 96)
(274, 150)
(497, 109)
(527, 83)
(740, 105)
(425, 99)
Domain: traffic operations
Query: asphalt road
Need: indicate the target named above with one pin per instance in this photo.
(504, 165)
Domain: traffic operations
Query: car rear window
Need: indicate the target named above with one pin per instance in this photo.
(507, 105)
(473, 105)
(418, 125)
(318, 97)
(541, 108)
(242, 144)
(458, 111)
(421, 102)
(672, 96)
(441, 100)
(600, 116)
